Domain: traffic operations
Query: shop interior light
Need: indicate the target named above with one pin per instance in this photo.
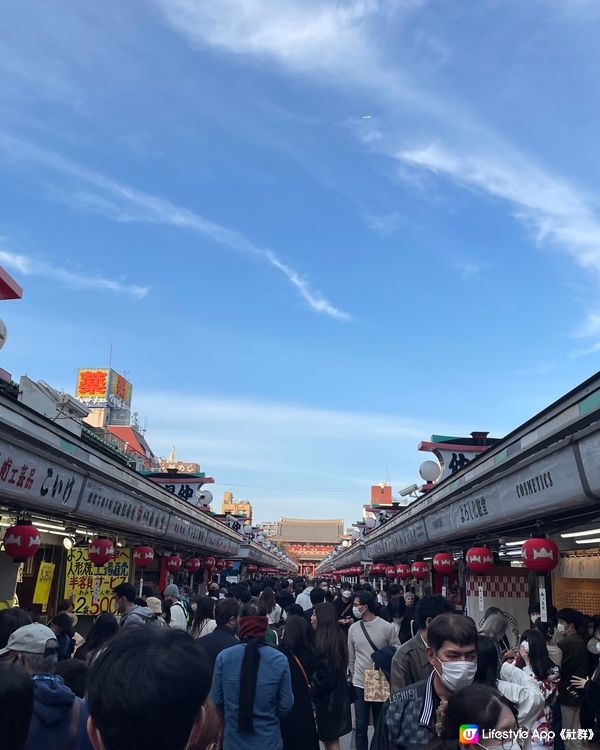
(514, 544)
(572, 534)
(588, 541)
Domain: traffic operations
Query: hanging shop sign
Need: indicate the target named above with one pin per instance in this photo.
(91, 590)
(411, 536)
(43, 585)
(36, 481)
(548, 484)
(103, 502)
(188, 491)
(183, 530)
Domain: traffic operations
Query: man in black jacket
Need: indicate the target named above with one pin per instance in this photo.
(227, 617)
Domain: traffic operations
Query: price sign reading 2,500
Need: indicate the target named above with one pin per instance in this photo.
(86, 606)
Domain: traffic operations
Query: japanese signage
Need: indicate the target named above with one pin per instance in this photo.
(549, 483)
(184, 530)
(24, 475)
(100, 501)
(188, 491)
(411, 536)
(91, 588)
(43, 584)
(102, 386)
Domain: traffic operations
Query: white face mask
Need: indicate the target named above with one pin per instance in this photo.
(457, 674)
(357, 613)
(534, 618)
(560, 628)
(346, 596)
(525, 646)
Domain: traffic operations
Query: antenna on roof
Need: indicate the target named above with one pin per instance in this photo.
(110, 355)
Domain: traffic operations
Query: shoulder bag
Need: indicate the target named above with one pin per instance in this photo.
(377, 688)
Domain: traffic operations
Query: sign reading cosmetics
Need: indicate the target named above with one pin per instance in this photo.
(100, 501)
(36, 481)
(544, 485)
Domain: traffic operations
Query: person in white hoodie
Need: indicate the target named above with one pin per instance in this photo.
(513, 683)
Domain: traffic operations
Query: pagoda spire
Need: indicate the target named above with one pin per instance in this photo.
(172, 460)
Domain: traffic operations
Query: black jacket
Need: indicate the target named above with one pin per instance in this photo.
(574, 664)
(284, 599)
(331, 699)
(298, 728)
(220, 639)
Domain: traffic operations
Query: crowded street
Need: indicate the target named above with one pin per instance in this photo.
(299, 375)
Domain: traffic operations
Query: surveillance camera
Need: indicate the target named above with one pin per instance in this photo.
(409, 490)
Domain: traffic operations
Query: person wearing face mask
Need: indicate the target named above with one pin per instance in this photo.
(412, 717)
(488, 710)
(369, 634)
(519, 688)
(343, 607)
(574, 664)
(410, 663)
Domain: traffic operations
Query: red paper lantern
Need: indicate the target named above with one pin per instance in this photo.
(174, 563)
(403, 571)
(419, 570)
(210, 562)
(251, 568)
(21, 541)
(378, 569)
(480, 560)
(540, 555)
(193, 565)
(101, 551)
(220, 564)
(390, 572)
(230, 564)
(143, 557)
(443, 563)
(357, 570)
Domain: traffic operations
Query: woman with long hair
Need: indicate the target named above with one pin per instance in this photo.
(535, 661)
(274, 611)
(104, 628)
(519, 688)
(204, 618)
(331, 696)
(298, 727)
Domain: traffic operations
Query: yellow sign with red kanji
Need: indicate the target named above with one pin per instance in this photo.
(92, 384)
(43, 584)
(102, 385)
(91, 588)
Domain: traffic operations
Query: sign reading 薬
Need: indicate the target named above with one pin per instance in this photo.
(90, 588)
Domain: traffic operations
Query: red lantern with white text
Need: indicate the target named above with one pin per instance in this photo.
(390, 572)
(21, 541)
(480, 560)
(174, 563)
(143, 557)
(443, 563)
(251, 568)
(540, 555)
(101, 551)
(419, 570)
(230, 564)
(210, 562)
(403, 571)
(220, 564)
(193, 565)
(378, 569)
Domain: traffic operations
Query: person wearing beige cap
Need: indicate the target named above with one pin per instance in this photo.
(59, 717)
(155, 604)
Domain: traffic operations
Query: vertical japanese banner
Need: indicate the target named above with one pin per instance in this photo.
(89, 587)
(43, 584)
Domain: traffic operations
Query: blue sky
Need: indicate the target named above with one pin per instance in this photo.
(316, 232)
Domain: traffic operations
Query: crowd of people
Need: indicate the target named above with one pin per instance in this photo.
(290, 664)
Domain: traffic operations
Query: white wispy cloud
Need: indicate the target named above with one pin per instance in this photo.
(29, 266)
(123, 203)
(279, 445)
(339, 44)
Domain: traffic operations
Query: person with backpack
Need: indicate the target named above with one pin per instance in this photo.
(179, 614)
(131, 613)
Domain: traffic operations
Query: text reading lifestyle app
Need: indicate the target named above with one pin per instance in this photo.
(468, 734)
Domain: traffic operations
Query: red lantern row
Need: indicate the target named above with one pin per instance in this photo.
(480, 560)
